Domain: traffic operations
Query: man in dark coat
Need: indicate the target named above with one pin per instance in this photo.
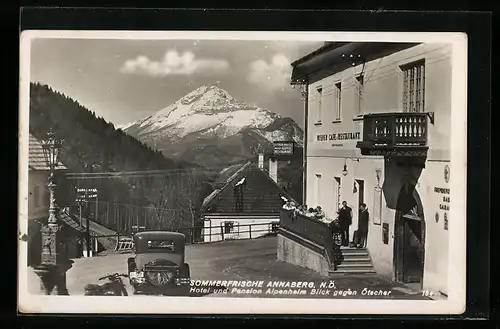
(337, 242)
(363, 225)
(345, 220)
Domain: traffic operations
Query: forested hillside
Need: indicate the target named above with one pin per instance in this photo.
(93, 145)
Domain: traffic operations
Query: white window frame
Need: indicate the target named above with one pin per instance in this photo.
(338, 100)
(319, 113)
(360, 90)
(46, 198)
(228, 227)
(413, 86)
(317, 189)
(36, 196)
(337, 186)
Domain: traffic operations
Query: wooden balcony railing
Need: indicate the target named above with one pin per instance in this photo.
(309, 229)
(397, 133)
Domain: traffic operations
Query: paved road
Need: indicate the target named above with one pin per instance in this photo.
(235, 260)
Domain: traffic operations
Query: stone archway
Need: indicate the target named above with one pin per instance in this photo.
(409, 237)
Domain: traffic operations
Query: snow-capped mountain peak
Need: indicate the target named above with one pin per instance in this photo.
(208, 108)
(211, 113)
(206, 93)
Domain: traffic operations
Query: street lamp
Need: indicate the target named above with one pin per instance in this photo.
(54, 261)
(344, 170)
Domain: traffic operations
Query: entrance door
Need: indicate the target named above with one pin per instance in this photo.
(359, 191)
(409, 238)
(413, 264)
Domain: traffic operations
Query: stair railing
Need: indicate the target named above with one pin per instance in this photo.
(311, 229)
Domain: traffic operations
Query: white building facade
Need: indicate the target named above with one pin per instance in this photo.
(368, 109)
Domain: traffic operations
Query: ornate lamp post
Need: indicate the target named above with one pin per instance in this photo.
(54, 260)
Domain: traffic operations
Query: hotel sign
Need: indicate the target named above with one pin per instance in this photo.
(283, 148)
(338, 136)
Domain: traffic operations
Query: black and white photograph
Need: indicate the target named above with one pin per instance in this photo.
(236, 172)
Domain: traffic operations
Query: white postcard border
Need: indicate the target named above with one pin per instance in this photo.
(454, 304)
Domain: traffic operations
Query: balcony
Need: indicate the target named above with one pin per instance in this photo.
(394, 134)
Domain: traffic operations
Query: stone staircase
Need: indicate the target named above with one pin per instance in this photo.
(356, 261)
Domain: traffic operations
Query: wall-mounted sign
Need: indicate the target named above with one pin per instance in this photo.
(85, 194)
(446, 173)
(441, 190)
(445, 202)
(338, 136)
(385, 233)
(283, 148)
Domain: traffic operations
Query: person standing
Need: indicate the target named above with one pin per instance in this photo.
(345, 220)
(363, 225)
(337, 242)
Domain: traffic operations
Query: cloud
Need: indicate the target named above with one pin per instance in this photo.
(273, 75)
(173, 63)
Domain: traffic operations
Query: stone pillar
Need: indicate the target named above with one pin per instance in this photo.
(53, 278)
(54, 260)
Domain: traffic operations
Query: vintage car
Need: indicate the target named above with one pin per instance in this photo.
(159, 265)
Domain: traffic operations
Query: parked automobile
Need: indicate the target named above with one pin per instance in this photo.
(114, 286)
(159, 264)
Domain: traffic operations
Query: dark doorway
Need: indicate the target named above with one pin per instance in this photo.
(409, 237)
(361, 192)
(359, 189)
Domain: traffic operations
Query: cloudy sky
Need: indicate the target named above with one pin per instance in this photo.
(125, 80)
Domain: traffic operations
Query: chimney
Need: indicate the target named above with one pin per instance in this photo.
(261, 160)
(273, 169)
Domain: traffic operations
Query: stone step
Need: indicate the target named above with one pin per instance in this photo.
(356, 264)
(340, 271)
(353, 250)
(357, 259)
(355, 254)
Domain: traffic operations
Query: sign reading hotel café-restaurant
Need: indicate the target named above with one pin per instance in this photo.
(335, 137)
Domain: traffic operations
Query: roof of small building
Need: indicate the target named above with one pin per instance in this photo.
(67, 219)
(226, 176)
(36, 160)
(239, 172)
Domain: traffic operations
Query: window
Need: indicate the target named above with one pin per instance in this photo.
(46, 199)
(228, 227)
(336, 190)
(360, 86)
(320, 103)
(318, 190)
(238, 198)
(36, 196)
(338, 100)
(162, 245)
(414, 86)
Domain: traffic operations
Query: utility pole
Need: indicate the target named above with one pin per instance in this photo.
(83, 197)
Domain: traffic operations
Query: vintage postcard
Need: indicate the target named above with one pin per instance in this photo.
(204, 172)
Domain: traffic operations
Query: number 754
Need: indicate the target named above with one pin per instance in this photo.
(427, 293)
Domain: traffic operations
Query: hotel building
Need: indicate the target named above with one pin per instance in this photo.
(378, 132)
